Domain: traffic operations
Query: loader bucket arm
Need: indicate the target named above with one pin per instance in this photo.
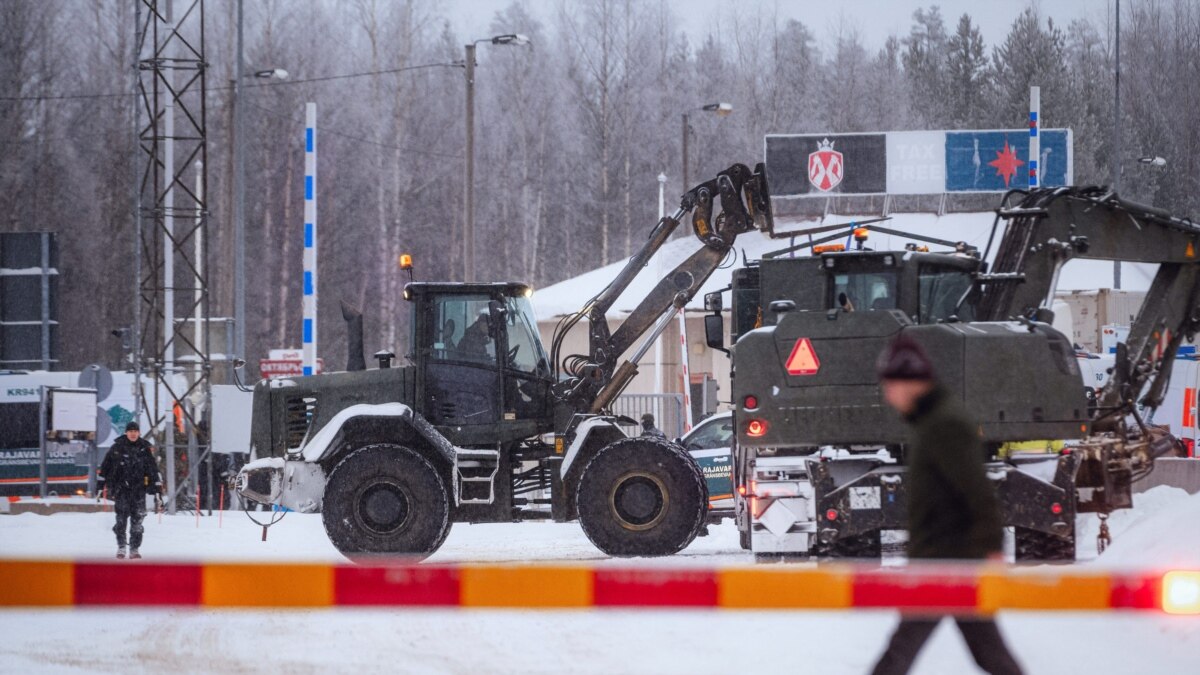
(744, 206)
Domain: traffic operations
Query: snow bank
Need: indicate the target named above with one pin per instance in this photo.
(1162, 530)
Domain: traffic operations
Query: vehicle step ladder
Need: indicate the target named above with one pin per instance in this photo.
(474, 466)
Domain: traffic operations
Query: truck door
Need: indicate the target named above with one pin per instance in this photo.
(462, 373)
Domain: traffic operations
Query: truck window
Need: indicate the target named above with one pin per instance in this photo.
(865, 290)
(528, 356)
(460, 329)
(941, 290)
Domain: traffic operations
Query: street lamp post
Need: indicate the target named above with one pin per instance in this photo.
(239, 192)
(721, 109)
(514, 39)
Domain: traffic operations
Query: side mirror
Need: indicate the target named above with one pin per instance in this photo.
(781, 306)
(714, 332)
(713, 302)
(496, 316)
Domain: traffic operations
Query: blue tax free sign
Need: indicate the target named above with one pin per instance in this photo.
(993, 161)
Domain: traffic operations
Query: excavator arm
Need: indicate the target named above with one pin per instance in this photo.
(596, 379)
(1050, 227)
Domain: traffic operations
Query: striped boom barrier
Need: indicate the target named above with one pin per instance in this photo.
(309, 336)
(939, 589)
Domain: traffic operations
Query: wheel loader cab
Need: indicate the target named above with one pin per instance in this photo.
(482, 374)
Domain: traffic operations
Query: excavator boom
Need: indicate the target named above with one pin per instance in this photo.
(1050, 227)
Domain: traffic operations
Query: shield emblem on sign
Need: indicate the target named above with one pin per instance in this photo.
(825, 167)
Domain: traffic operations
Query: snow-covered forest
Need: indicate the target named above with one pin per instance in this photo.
(571, 132)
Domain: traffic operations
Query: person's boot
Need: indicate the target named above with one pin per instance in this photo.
(121, 552)
(133, 553)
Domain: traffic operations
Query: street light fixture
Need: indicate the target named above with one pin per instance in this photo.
(516, 39)
(1152, 161)
(721, 108)
(512, 39)
(277, 73)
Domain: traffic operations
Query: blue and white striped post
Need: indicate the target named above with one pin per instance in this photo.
(1035, 104)
(310, 238)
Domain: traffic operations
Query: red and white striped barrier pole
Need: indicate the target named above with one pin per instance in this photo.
(968, 590)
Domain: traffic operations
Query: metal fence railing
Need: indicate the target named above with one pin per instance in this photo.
(666, 408)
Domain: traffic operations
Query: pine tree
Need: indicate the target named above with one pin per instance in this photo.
(924, 62)
(966, 75)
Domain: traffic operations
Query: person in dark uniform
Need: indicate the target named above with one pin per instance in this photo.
(953, 512)
(648, 428)
(476, 339)
(130, 473)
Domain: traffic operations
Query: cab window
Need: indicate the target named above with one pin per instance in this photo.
(524, 346)
(942, 289)
(864, 291)
(461, 331)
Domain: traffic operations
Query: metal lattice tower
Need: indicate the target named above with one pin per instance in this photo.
(171, 218)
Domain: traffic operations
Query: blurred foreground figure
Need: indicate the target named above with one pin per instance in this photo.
(953, 513)
(130, 473)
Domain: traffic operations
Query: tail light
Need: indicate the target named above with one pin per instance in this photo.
(756, 428)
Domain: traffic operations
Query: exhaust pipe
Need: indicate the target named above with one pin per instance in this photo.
(354, 338)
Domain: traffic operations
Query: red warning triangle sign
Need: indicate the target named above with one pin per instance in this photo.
(803, 360)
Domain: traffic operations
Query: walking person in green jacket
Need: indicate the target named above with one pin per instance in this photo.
(953, 513)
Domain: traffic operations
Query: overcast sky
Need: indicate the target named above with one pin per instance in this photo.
(875, 19)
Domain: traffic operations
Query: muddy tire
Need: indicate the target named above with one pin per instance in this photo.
(642, 497)
(1035, 546)
(385, 500)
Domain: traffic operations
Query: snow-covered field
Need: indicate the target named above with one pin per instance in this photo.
(1164, 530)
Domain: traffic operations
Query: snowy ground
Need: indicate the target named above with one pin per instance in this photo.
(1162, 530)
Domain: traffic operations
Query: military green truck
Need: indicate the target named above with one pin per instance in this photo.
(819, 459)
(480, 424)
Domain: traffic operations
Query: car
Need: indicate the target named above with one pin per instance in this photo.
(710, 443)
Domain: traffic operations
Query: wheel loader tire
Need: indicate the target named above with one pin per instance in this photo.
(385, 500)
(1036, 546)
(642, 497)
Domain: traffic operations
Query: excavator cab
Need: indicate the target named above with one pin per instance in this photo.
(482, 373)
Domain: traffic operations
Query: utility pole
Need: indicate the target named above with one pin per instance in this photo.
(685, 153)
(514, 39)
(469, 180)
(239, 201)
(1116, 159)
(721, 109)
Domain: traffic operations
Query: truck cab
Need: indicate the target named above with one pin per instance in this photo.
(812, 429)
